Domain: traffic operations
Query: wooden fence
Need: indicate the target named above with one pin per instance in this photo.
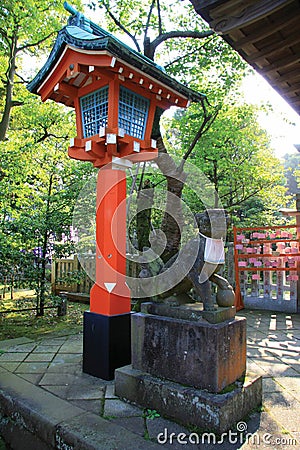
(267, 268)
(67, 275)
(64, 272)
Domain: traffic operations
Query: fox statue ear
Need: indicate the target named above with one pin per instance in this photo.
(200, 218)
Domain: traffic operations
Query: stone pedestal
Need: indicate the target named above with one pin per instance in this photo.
(191, 371)
(189, 406)
(194, 353)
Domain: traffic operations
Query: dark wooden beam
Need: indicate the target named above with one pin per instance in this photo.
(295, 87)
(65, 89)
(292, 96)
(289, 20)
(250, 14)
(203, 4)
(272, 49)
(294, 100)
(226, 7)
(289, 76)
(282, 64)
(69, 101)
(84, 81)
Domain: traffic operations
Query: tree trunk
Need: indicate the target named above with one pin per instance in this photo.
(44, 252)
(41, 309)
(38, 294)
(143, 217)
(173, 219)
(216, 184)
(12, 288)
(9, 83)
(4, 288)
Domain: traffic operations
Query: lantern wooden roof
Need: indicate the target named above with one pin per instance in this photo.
(266, 34)
(94, 48)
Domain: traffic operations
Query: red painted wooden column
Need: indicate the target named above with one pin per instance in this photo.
(106, 343)
(110, 294)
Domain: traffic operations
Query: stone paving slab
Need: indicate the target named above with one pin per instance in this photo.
(9, 344)
(270, 385)
(134, 424)
(32, 367)
(86, 393)
(75, 346)
(33, 378)
(14, 357)
(292, 362)
(56, 340)
(267, 434)
(11, 366)
(23, 348)
(291, 385)
(59, 391)
(275, 368)
(60, 379)
(253, 367)
(92, 406)
(68, 369)
(73, 393)
(110, 391)
(65, 358)
(49, 348)
(117, 408)
(40, 357)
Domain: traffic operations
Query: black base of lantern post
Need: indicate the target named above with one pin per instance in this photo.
(106, 344)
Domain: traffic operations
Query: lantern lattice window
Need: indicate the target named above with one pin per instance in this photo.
(133, 112)
(94, 110)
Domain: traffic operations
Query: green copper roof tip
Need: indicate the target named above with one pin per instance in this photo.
(70, 9)
(85, 23)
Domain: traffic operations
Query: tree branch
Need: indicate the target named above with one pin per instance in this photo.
(48, 135)
(176, 34)
(21, 78)
(146, 39)
(182, 57)
(206, 123)
(159, 18)
(245, 197)
(16, 103)
(34, 44)
(118, 23)
(4, 34)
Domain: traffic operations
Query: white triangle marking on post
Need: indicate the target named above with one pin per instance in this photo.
(110, 286)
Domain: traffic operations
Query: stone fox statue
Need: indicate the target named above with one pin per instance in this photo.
(196, 264)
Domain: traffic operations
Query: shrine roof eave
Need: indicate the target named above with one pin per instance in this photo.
(79, 39)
